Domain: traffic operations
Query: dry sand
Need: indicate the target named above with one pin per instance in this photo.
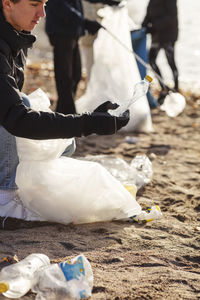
(158, 260)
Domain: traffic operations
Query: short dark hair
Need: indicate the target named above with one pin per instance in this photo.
(14, 1)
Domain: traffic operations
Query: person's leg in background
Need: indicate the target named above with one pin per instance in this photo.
(153, 53)
(169, 52)
(63, 48)
(76, 70)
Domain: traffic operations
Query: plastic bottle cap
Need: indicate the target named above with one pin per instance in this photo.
(147, 77)
(4, 287)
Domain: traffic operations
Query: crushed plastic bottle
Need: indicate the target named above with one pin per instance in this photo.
(67, 280)
(138, 172)
(17, 279)
(143, 169)
(140, 89)
(153, 213)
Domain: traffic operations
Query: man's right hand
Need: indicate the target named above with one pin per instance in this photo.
(102, 123)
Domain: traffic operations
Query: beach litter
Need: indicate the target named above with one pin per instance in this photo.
(132, 139)
(138, 172)
(71, 279)
(174, 104)
(152, 213)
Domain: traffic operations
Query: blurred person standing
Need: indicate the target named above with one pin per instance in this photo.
(161, 21)
(86, 42)
(65, 24)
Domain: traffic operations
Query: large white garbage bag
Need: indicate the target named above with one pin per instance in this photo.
(115, 72)
(66, 190)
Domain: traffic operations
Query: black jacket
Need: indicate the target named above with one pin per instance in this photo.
(18, 119)
(161, 20)
(65, 17)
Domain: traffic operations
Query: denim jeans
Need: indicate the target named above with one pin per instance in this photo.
(9, 158)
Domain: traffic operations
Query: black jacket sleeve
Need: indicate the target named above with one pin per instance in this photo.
(22, 121)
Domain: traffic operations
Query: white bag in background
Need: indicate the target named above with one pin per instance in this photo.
(66, 190)
(115, 71)
(174, 104)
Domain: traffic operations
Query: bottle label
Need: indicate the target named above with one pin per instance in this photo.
(73, 270)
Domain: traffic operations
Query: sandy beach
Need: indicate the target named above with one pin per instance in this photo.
(157, 260)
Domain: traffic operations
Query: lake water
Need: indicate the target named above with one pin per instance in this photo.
(187, 46)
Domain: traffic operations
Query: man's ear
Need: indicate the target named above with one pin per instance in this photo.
(7, 5)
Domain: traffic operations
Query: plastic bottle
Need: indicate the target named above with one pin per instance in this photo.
(140, 89)
(17, 279)
(66, 280)
(142, 167)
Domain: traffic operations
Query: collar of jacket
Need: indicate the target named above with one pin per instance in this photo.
(15, 39)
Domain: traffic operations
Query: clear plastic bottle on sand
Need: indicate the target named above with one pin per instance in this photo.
(17, 279)
(140, 89)
(67, 280)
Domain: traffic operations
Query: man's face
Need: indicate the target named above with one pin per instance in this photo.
(25, 14)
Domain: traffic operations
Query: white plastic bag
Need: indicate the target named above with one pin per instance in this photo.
(66, 190)
(115, 72)
(174, 104)
(41, 149)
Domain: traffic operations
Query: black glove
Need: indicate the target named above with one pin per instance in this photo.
(92, 26)
(112, 2)
(104, 107)
(101, 122)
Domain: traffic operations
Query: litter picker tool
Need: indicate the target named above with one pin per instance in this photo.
(174, 102)
(139, 59)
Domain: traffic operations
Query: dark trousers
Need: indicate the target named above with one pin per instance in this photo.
(67, 69)
(169, 52)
